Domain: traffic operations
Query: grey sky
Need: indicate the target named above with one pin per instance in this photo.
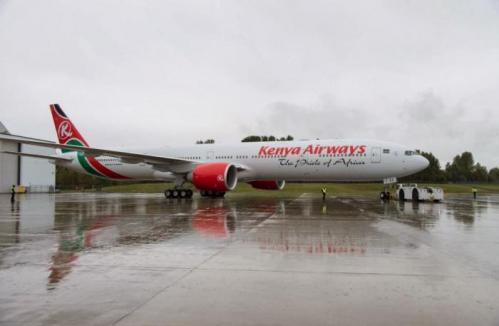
(153, 73)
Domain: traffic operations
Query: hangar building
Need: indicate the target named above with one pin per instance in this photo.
(37, 175)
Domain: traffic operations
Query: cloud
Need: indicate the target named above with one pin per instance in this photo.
(321, 119)
(449, 129)
(425, 122)
(169, 72)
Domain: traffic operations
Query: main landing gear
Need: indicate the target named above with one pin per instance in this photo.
(178, 193)
(187, 193)
(212, 193)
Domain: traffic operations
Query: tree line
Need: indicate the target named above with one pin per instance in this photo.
(463, 168)
(66, 179)
(207, 141)
(252, 138)
(255, 138)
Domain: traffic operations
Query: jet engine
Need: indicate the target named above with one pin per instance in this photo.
(218, 176)
(268, 184)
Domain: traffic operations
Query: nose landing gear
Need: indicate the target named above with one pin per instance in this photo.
(388, 184)
(384, 195)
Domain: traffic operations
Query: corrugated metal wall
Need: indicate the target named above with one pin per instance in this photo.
(9, 167)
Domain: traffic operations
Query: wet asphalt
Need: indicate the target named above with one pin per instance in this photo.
(105, 259)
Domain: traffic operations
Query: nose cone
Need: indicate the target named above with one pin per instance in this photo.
(421, 163)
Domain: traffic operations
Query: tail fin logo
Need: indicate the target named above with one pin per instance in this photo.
(64, 131)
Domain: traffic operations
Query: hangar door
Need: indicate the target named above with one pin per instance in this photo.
(376, 155)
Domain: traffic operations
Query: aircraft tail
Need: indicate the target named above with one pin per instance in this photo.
(66, 130)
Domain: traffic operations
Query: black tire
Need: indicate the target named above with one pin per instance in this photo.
(210, 193)
(183, 193)
(174, 193)
(401, 195)
(168, 193)
(382, 196)
(415, 194)
(189, 193)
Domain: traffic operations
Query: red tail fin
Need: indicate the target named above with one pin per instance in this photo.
(66, 131)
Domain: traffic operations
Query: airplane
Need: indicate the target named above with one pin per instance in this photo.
(215, 169)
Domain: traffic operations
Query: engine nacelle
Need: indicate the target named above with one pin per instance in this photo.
(218, 176)
(268, 184)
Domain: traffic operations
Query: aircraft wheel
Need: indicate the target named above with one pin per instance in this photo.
(181, 193)
(174, 193)
(401, 195)
(382, 196)
(211, 193)
(415, 194)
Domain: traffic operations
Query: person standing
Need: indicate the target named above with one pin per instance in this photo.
(13, 194)
(474, 191)
(324, 192)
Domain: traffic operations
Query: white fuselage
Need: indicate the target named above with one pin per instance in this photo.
(316, 160)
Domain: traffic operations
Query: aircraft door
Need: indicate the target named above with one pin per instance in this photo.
(376, 155)
(210, 156)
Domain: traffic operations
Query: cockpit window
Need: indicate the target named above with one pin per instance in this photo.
(409, 153)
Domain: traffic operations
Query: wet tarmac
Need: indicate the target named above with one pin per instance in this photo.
(102, 259)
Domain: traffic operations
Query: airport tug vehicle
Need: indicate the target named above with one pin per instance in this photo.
(418, 193)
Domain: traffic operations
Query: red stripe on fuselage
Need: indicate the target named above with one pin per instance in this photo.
(104, 170)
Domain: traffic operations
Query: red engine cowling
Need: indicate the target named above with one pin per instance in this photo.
(218, 176)
(268, 184)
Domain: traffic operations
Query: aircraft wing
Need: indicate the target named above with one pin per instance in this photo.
(162, 163)
(47, 157)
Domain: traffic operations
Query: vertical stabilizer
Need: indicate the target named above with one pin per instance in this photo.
(66, 130)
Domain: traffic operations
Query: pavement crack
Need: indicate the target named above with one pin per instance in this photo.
(175, 282)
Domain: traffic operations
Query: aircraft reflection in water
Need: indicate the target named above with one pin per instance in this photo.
(219, 219)
(310, 228)
(425, 215)
(214, 219)
(143, 223)
(340, 227)
(82, 237)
